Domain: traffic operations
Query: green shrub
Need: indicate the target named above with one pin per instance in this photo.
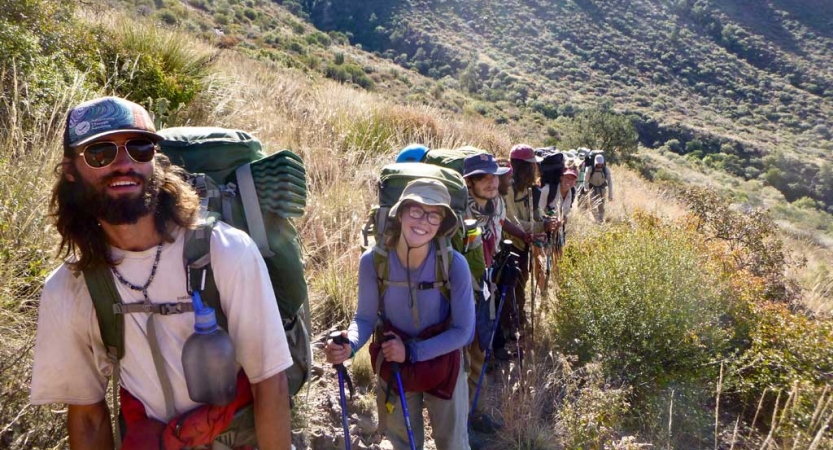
(640, 299)
(786, 372)
(751, 240)
(603, 128)
(348, 73)
(143, 62)
(42, 54)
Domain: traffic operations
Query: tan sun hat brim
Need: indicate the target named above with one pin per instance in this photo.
(428, 192)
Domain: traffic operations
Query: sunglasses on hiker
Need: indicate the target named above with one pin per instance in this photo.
(101, 154)
(433, 218)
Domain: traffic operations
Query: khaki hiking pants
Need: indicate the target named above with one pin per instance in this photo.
(597, 203)
(448, 417)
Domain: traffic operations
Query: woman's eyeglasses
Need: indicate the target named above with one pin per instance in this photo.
(434, 218)
(101, 154)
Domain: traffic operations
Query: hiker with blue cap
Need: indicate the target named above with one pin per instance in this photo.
(486, 205)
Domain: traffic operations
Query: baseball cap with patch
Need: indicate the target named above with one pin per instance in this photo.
(101, 117)
(483, 163)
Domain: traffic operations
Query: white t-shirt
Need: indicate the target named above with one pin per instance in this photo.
(71, 365)
(560, 206)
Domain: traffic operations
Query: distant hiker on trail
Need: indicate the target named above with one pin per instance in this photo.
(597, 179)
(559, 203)
(123, 208)
(520, 211)
(421, 331)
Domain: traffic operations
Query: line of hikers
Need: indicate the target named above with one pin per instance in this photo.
(181, 257)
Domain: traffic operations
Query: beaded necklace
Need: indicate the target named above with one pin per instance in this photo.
(142, 289)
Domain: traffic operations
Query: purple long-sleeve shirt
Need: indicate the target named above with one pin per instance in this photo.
(429, 302)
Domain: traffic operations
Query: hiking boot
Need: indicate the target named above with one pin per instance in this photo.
(502, 354)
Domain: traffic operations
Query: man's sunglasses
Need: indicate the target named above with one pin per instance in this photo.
(101, 154)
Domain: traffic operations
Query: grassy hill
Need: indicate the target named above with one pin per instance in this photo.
(691, 334)
(728, 82)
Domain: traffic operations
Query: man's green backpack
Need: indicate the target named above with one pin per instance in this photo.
(244, 188)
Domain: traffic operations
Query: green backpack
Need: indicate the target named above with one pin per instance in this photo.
(392, 181)
(455, 160)
(451, 159)
(244, 188)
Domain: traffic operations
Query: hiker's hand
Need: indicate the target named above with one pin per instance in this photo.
(529, 237)
(551, 224)
(393, 348)
(337, 354)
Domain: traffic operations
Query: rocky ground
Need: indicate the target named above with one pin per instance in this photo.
(317, 415)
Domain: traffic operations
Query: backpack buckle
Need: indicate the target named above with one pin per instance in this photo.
(170, 308)
(425, 285)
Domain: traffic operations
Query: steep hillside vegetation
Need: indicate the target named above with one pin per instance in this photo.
(732, 81)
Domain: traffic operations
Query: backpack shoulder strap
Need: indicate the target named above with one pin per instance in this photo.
(443, 259)
(380, 262)
(251, 208)
(199, 275)
(105, 297)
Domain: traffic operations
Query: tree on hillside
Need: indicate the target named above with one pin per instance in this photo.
(602, 128)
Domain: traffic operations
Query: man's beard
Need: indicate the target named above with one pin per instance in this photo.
(482, 194)
(121, 210)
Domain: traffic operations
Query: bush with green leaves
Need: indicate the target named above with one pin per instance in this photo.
(642, 300)
(602, 128)
(42, 53)
(751, 240)
(348, 72)
(787, 372)
(146, 63)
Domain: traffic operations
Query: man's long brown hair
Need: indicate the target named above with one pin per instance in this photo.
(81, 235)
(525, 174)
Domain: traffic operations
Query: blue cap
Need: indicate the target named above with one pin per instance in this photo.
(483, 163)
(412, 153)
(104, 116)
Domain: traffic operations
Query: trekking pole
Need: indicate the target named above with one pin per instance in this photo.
(518, 334)
(532, 259)
(506, 280)
(531, 268)
(395, 367)
(503, 290)
(343, 376)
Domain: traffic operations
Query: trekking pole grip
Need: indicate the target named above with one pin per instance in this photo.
(393, 364)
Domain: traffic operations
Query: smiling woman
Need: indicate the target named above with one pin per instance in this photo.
(421, 329)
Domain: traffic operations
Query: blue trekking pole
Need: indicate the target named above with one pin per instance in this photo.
(506, 280)
(395, 367)
(343, 376)
(488, 351)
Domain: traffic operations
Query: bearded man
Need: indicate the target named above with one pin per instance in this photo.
(120, 205)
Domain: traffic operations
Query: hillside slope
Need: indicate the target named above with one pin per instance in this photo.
(756, 72)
